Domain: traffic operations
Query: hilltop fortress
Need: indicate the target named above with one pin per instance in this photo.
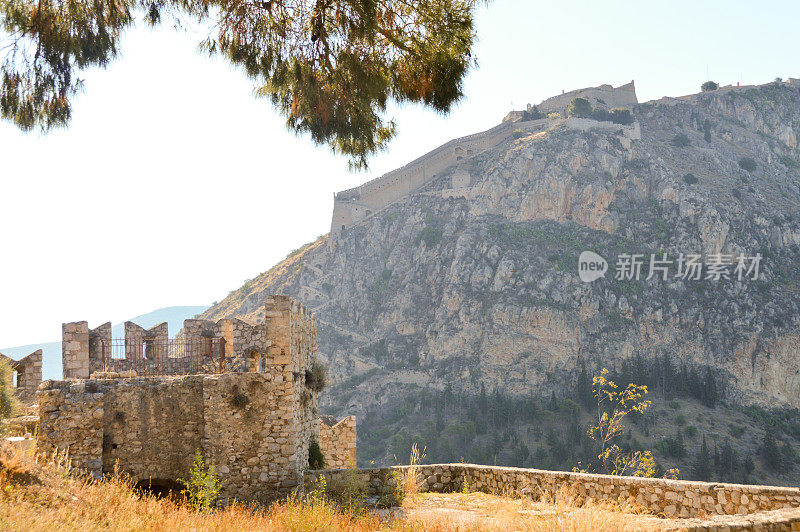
(355, 204)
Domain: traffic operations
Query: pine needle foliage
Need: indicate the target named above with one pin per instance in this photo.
(329, 66)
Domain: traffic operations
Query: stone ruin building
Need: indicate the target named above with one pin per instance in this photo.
(244, 395)
(27, 374)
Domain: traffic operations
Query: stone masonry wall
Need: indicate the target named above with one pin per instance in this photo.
(338, 442)
(29, 374)
(671, 498)
(151, 427)
(253, 422)
(71, 422)
(75, 350)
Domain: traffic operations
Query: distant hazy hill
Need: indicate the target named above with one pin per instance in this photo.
(51, 352)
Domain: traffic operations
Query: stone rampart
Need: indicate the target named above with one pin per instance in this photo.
(604, 95)
(337, 440)
(355, 204)
(670, 498)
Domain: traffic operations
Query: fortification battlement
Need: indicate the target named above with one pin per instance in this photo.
(28, 373)
(244, 395)
(288, 335)
(355, 204)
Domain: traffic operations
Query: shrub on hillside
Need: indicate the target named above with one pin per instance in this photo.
(533, 114)
(580, 108)
(518, 134)
(709, 86)
(690, 179)
(601, 114)
(621, 116)
(681, 140)
(8, 402)
(316, 460)
(748, 163)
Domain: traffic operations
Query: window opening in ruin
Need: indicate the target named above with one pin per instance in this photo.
(15, 378)
(255, 364)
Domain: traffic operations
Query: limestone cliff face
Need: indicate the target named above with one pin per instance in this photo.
(480, 284)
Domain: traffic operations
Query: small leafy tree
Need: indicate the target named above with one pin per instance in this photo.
(709, 86)
(202, 487)
(681, 140)
(579, 107)
(613, 406)
(748, 163)
(702, 465)
(316, 460)
(601, 114)
(533, 114)
(8, 402)
(770, 452)
(621, 116)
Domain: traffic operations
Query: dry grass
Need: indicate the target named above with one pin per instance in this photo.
(483, 512)
(36, 496)
(47, 496)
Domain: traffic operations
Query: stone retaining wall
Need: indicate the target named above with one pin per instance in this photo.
(669, 498)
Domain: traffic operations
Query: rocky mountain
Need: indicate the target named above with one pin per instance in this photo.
(478, 288)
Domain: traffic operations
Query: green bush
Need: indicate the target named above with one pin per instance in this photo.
(621, 116)
(681, 140)
(674, 405)
(316, 460)
(430, 235)
(748, 163)
(8, 401)
(518, 134)
(580, 108)
(736, 193)
(737, 430)
(554, 116)
(601, 114)
(690, 431)
(202, 488)
(533, 114)
(690, 179)
(709, 86)
(707, 131)
(316, 377)
(680, 419)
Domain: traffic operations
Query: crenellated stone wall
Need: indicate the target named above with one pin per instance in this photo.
(252, 417)
(337, 441)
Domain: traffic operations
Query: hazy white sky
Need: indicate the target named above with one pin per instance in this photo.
(174, 183)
